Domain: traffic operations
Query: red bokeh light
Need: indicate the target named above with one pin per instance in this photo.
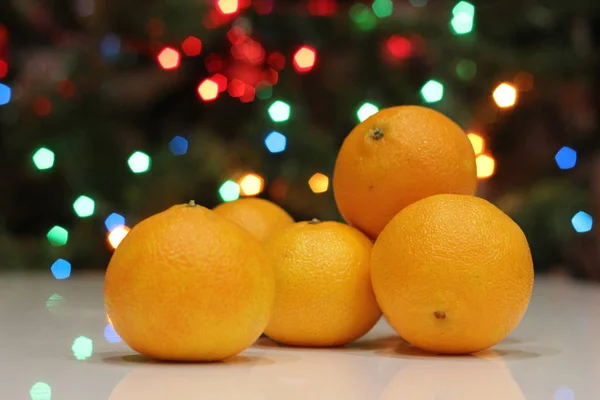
(168, 58)
(270, 76)
(305, 59)
(208, 90)
(213, 62)
(398, 46)
(236, 88)
(236, 35)
(3, 69)
(191, 46)
(66, 89)
(322, 8)
(276, 60)
(263, 6)
(42, 106)
(227, 7)
(249, 94)
(221, 81)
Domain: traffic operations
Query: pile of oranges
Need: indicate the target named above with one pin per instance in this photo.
(451, 273)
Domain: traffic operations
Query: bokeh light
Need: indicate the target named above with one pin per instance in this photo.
(432, 91)
(82, 348)
(61, 269)
(3, 69)
(564, 393)
(251, 184)
(113, 221)
(363, 16)
(366, 110)
(505, 95)
(279, 111)
(305, 59)
(168, 58)
(84, 206)
(54, 302)
(43, 158)
(582, 222)
(228, 6)
(191, 46)
(111, 335)
(275, 142)
(318, 183)
(466, 69)
(139, 162)
(398, 46)
(40, 391)
(477, 142)
(116, 236)
(178, 146)
(110, 46)
(208, 90)
(382, 8)
(463, 17)
(566, 158)
(229, 191)
(58, 236)
(5, 94)
(486, 166)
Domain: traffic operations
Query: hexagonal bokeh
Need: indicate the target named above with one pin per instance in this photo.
(566, 158)
(139, 162)
(432, 91)
(275, 142)
(279, 111)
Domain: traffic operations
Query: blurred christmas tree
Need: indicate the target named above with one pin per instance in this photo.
(112, 110)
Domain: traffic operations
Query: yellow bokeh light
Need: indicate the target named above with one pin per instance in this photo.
(251, 184)
(228, 6)
(116, 236)
(505, 95)
(477, 142)
(318, 183)
(486, 166)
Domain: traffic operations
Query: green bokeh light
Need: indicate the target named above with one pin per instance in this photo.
(53, 302)
(466, 69)
(82, 348)
(463, 18)
(363, 16)
(40, 391)
(229, 191)
(280, 111)
(139, 162)
(43, 158)
(84, 206)
(432, 91)
(58, 236)
(366, 110)
(264, 92)
(383, 8)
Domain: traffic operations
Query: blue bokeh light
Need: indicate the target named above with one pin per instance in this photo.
(564, 393)
(61, 269)
(5, 94)
(110, 46)
(111, 335)
(113, 221)
(566, 158)
(178, 145)
(582, 222)
(276, 142)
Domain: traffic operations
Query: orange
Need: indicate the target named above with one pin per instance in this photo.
(186, 284)
(323, 288)
(261, 218)
(396, 157)
(452, 274)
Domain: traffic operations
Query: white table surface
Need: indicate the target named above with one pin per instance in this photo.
(554, 354)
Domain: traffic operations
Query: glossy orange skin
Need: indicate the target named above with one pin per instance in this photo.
(323, 294)
(396, 157)
(188, 285)
(452, 274)
(260, 217)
